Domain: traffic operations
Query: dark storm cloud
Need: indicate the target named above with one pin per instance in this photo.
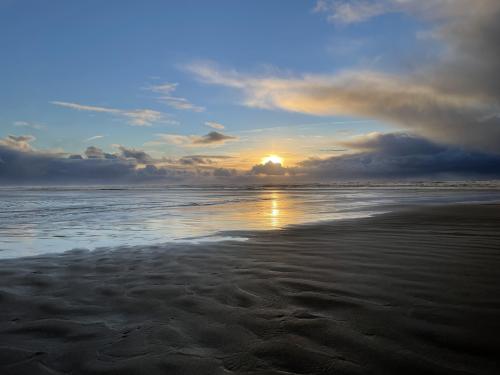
(22, 166)
(395, 144)
(400, 155)
(30, 167)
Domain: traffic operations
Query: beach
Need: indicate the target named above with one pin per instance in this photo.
(412, 291)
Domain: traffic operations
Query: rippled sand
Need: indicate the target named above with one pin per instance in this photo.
(413, 292)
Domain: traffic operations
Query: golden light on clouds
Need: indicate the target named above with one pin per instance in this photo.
(275, 159)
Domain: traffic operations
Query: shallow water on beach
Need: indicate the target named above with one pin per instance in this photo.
(47, 220)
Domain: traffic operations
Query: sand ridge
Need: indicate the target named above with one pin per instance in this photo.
(409, 292)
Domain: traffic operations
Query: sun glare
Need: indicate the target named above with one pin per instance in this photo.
(275, 159)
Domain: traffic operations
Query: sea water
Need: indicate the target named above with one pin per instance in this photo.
(38, 220)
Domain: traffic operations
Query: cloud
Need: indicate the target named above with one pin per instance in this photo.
(449, 117)
(138, 155)
(454, 99)
(393, 144)
(213, 138)
(401, 155)
(129, 154)
(176, 102)
(93, 152)
(20, 142)
(180, 103)
(26, 124)
(202, 159)
(376, 156)
(345, 12)
(95, 137)
(135, 117)
(225, 172)
(163, 88)
(26, 166)
(20, 164)
(269, 169)
(214, 125)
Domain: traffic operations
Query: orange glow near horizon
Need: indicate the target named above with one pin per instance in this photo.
(275, 159)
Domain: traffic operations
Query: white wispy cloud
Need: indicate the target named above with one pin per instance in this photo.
(163, 88)
(166, 90)
(135, 117)
(345, 12)
(214, 125)
(27, 124)
(180, 103)
(94, 138)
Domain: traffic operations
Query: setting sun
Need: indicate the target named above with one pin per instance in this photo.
(275, 159)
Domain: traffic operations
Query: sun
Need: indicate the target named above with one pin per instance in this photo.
(275, 159)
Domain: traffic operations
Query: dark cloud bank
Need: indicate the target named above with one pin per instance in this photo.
(378, 156)
(400, 155)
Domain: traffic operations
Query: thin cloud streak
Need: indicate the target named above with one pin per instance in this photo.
(167, 89)
(135, 117)
(95, 137)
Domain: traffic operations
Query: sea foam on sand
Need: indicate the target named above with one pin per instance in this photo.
(409, 292)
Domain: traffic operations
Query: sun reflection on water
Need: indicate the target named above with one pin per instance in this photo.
(275, 211)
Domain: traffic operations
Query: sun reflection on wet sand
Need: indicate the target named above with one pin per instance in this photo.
(275, 211)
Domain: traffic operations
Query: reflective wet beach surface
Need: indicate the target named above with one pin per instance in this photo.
(45, 220)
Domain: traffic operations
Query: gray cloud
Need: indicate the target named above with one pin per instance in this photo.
(225, 172)
(269, 169)
(93, 152)
(393, 144)
(376, 156)
(213, 137)
(202, 159)
(194, 160)
(19, 166)
(138, 155)
(401, 155)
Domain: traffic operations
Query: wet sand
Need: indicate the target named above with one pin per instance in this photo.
(411, 292)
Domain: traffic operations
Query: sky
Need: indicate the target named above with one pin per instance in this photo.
(201, 92)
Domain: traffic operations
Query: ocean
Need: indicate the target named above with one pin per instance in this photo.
(39, 220)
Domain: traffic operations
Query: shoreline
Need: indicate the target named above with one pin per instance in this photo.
(245, 235)
(410, 291)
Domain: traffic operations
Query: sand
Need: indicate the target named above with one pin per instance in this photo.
(411, 292)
